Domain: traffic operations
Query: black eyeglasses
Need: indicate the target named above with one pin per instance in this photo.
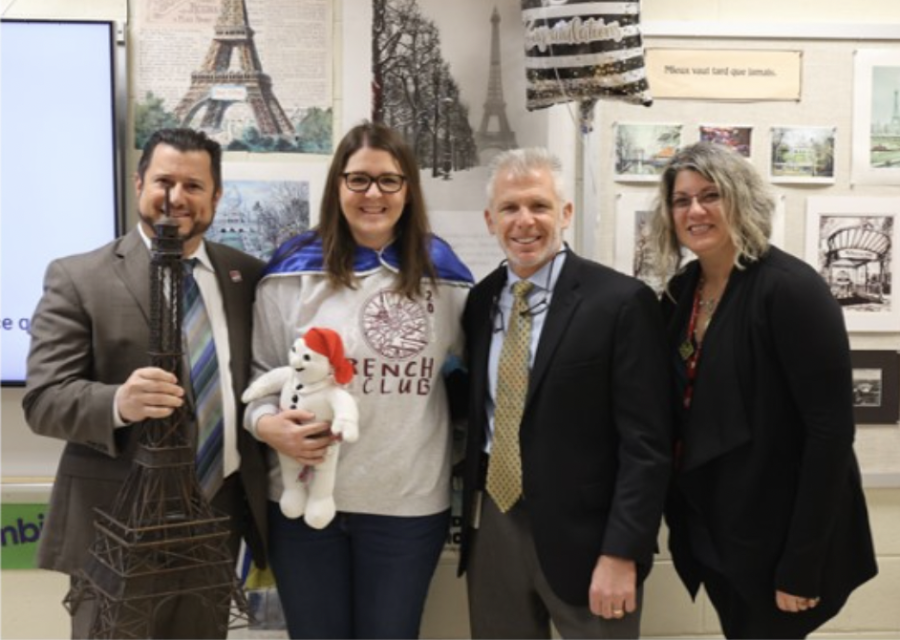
(387, 182)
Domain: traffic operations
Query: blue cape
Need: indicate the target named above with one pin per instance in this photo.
(303, 254)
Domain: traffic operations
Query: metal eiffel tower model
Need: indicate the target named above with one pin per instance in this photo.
(217, 85)
(160, 539)
(503, 138)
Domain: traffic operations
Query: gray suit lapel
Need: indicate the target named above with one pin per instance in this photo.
(133, 268)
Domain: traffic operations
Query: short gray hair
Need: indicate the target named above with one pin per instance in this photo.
(521, 162)
(747, 203)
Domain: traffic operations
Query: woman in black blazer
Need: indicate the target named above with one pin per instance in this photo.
(766, 508)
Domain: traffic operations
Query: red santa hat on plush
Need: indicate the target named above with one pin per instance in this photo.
(328, 343)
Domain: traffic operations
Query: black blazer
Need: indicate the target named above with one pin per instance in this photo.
(768, 457)
(91, 329)
(596, 433)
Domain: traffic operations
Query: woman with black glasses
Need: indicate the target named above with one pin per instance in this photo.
(372, 271)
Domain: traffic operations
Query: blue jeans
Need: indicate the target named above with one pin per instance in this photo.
(362, 576)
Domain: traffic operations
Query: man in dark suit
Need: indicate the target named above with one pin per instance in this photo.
(88, 379)
(568, 453)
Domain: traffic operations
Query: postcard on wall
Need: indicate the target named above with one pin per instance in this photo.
(802, 155)
(264, 204)
(715, 74)
(854, 244)
(876, 117)
(257, 80)
(876, 387)
(737, 137)
(642, 150)
(634, 254)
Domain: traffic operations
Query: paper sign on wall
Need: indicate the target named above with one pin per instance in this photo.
(715, 74)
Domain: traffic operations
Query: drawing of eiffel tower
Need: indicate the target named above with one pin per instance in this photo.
(217, 85)
(160, 540)
(487, 139)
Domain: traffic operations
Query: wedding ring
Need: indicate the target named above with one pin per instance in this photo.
(618, 613)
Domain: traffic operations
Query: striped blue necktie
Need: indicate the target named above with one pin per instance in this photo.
(205, 384)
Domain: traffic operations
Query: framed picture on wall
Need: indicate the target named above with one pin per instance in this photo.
(876, 387)
(634, 254)
(876, 117)
(802, 155)
(738, 138)
(642, 150)
(853, 243)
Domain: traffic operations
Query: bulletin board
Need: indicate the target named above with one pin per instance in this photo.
(826, 102)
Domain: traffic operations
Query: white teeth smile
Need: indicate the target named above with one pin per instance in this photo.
(699, 228)
(525, 240)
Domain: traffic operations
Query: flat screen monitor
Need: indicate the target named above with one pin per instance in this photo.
(58, 161)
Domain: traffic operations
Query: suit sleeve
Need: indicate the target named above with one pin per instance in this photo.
(813, 349)
(271, 342)
(641, 396)
(62, 400)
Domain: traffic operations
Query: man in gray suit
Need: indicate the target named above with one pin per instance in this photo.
(88, 379)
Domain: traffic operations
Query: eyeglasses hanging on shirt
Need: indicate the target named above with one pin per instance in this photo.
(498, 318)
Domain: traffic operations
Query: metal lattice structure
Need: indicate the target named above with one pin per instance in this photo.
(160, 539)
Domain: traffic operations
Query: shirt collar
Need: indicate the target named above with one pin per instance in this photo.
(544, 279)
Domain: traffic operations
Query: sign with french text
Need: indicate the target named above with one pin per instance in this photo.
(716, 74)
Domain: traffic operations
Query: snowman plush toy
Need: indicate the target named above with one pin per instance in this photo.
(312, 381)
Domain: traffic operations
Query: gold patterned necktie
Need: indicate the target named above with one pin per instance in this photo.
(504, 478)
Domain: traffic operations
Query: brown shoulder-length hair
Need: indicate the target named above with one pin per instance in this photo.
(412, 233)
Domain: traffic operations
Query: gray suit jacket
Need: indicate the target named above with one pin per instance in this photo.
(89, 332)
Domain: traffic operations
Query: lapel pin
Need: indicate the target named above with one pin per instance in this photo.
(236, 275)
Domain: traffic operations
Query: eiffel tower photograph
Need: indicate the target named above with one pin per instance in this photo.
(450, 76)
(469, 67)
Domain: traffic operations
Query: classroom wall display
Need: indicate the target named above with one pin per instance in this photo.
(876, 117)
(803, 155)
(255, 75)
(643, 149)
(853, 243)
(876, 387)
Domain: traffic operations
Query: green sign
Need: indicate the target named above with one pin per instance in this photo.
(21, 529)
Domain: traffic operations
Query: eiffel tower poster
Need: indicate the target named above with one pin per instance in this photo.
(232, 73)
(254, 75)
